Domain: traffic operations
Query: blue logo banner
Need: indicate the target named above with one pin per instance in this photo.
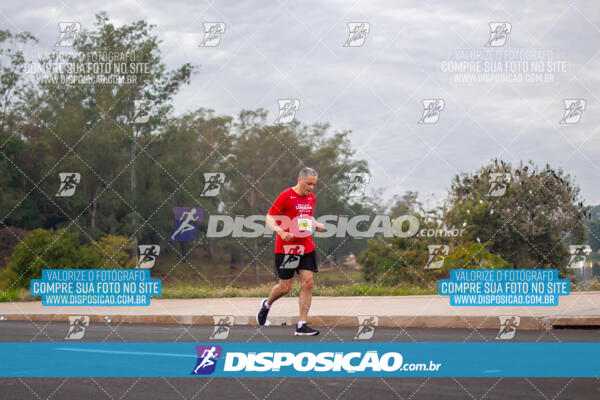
(293, 359)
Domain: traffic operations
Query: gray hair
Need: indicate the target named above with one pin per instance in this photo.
(304, 172)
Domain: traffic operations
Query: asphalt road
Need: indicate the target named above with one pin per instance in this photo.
(289, 388)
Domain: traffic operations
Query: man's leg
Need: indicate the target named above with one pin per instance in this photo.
(306, 286)
(281, 289)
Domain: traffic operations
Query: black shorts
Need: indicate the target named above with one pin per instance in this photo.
(287, 264)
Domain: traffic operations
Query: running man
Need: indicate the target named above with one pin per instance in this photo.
(291, 218)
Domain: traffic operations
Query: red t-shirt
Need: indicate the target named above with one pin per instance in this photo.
(295, 213)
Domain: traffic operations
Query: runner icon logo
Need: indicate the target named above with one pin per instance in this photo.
(207, 359)
(68, 183)
(499, 32)
(223, 323)
(141, 111)
(213, 31)
(432, 108)
(68, 33)
(508, 326)
(437, 253)
(212, 183)
(293, 252)
(287, 110)
(77, 325)
(186, 220)
(357, 33)
(357, 183)
(366, 328)
(574, 108)
(147, 255)
(579, 253)
(499, 182)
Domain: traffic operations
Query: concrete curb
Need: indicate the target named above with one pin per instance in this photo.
(400, 321)
(579, 309)
(585, 321)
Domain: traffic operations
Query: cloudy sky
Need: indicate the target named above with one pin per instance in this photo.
(294, 50)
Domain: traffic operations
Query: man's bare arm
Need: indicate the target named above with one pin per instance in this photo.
(272, 223)
(318, 226)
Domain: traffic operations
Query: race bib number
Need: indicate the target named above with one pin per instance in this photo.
(304, 224)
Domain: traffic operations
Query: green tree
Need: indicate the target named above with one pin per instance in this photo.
(594, 235)
(16, 208)
(191, 145)
(530, 225)
(12, 72)
(87, 128)
(593, 227)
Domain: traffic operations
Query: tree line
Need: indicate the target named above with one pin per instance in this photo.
(132, 174)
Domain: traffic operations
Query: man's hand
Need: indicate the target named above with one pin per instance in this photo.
(285, 236)
(271, 223)
(319, 226)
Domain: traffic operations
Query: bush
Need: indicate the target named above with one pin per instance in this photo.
(49, 249)
(474, 256)
(9, 238)
(114, 252)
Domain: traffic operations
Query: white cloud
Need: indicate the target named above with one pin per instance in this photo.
(406, 44)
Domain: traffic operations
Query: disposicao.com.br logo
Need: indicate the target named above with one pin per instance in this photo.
(358, 226)
(249, 363)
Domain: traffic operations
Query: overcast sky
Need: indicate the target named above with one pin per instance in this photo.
(284, 50)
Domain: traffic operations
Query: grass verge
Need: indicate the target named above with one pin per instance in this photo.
(187, 290)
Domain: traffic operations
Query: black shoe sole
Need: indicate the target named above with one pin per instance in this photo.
(305, 334)
(257, 321)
